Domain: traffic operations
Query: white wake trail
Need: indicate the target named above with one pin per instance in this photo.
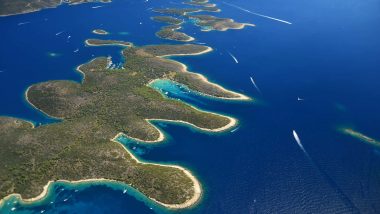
(57, 34)
(300, 144)
(254, 84)
(298, 140)
(332, 183)
(257, 14)
(233, 57)
(23, 23)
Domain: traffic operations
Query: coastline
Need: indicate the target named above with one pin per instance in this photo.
(174, 30)
(53, 7)
(233, 122)
(209, 49)
(203, 78)
(30, 103)
(239, 96)
(100, 32)
(110, 44)
(196, 185)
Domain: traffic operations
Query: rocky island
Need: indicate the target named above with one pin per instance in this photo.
(100, 32)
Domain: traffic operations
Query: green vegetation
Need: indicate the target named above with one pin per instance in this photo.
(168, 20)
(208, 23)
(177, 11)
(101, 42)
(170, 32)
(106, 103)
(12, 7)
(203, 4)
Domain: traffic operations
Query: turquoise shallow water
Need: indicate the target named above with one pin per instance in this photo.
(328, 57)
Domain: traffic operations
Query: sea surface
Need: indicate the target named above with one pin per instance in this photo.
(328, 56)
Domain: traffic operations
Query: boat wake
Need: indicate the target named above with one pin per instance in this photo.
(23, 23)
(233, 57)
(257, 14)
(57, 34)
(295, 135)
(346, 200)
(234, 130)
(254, 84)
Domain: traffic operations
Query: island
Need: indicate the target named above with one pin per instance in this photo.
(168, 20)
(14, 7)
(200, 3)
(101, 42)
(177, 11)
(360, 136)
(205, 22)
(108, 103)
(209, 23)
(100, 32)
(170, 32)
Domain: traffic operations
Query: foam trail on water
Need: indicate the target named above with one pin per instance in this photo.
(233, 57)
(96, 7)
(254, 84)
(23, 23)
(346, 200)
(57, 34)
(257, 14)
(295, 135)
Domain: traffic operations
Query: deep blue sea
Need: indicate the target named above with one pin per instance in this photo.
(329, 56)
